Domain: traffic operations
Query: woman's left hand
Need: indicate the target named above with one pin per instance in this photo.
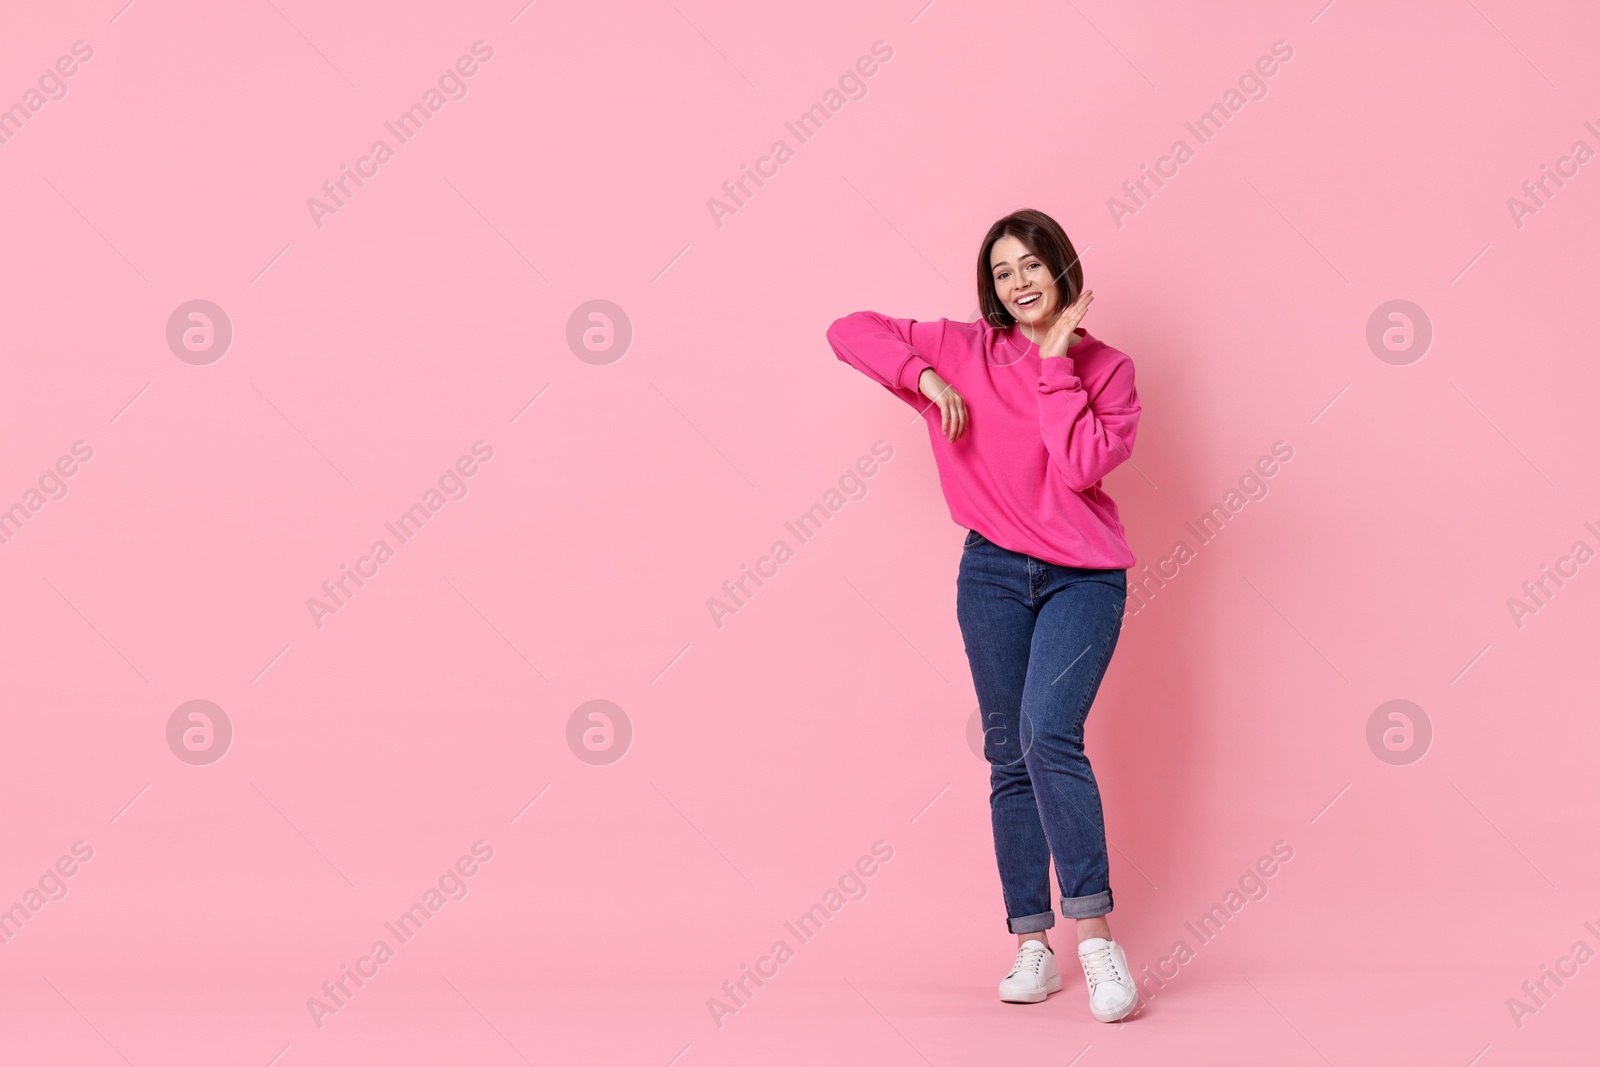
(1059, 335)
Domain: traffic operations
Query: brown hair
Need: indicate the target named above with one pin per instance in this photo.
(1045, 238)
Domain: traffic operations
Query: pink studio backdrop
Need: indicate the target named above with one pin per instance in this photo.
(377, 340)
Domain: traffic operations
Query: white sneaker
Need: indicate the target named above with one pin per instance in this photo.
(1033, 977)
(1112, 994)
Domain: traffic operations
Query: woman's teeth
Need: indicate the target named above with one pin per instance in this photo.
(1028, 300)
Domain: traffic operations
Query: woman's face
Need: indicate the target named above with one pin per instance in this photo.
(1023, 282)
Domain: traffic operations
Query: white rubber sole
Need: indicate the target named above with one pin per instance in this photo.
(1117, 1016)
(1052, 985)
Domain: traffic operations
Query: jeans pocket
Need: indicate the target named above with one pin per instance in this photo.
(974, 539)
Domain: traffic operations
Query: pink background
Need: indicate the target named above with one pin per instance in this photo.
(833, 711)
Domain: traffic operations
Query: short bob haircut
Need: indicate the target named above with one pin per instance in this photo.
(1045, 238)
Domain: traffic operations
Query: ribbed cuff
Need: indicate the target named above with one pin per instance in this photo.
(1064, 376)
(911, 370)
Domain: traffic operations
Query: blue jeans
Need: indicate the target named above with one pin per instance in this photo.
(1038, 637)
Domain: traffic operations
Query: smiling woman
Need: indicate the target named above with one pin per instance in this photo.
(1033, 412)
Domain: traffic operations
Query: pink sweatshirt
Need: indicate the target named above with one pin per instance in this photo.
(1041, 433)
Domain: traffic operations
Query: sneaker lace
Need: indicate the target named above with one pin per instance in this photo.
(1028, 959)
(1099, 966)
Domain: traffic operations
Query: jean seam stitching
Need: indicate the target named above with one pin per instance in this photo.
(1078, 723)
(1082, 713)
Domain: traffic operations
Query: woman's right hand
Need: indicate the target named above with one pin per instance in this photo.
(952, 409)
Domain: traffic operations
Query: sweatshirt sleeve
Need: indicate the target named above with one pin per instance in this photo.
(892, 352)
(1085, 439)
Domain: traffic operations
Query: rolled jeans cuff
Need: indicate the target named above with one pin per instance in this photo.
(1089, 907)
(1029, 924)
